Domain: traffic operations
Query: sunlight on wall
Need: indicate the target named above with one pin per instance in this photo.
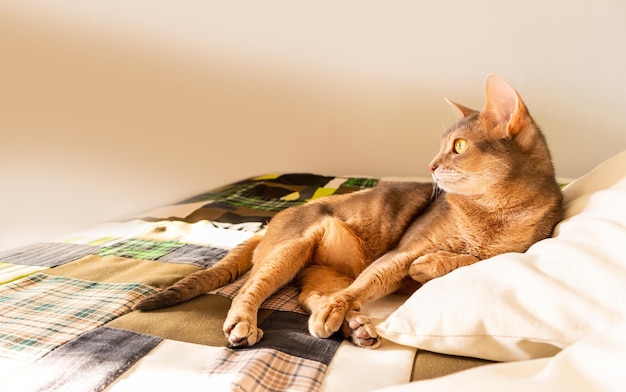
(107, 109)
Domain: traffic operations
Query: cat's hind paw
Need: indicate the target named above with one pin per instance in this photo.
(360, 330)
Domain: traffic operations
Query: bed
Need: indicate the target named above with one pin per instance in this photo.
(551, 318)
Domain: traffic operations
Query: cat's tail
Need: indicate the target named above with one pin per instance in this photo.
(236, 263)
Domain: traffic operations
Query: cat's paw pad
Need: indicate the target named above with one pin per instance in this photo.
(163, 299)
(328, 319)
(242, 333)
(360, 330)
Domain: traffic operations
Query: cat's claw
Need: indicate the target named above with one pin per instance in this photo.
(360, 330)
(242, 334)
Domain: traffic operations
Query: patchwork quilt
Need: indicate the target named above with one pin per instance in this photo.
(66, 318)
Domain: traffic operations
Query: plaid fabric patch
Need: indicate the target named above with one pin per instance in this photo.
(360, 182)
(41, 312)
(285, 180)
(260, 203)
(265, 370)
(222, 193)
(47, 254)
(89, 363)
(140, 249)
(202, 256)
(275, 194)
(286, 299)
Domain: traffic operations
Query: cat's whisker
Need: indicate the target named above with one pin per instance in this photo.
(437, 191)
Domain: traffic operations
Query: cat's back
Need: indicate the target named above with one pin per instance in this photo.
(389, 200)
(378, 216)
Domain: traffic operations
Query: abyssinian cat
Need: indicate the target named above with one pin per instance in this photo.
(494, 192)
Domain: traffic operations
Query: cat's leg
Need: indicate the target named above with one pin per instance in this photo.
(384, 276)
(236, 263)
(317, 284)
(294, 238)
(434, 265)
(339, 258)
(276, 263)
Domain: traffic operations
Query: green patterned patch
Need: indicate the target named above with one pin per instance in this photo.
(140, 249)
(357, 182)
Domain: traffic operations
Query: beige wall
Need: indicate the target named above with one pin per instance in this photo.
(106, 110)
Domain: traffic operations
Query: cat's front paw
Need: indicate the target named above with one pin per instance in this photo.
(242, 333)
(329, 318)
(426, 268)
(434, 265)
(360, 330)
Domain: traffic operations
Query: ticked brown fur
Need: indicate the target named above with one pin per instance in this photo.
(495, 192)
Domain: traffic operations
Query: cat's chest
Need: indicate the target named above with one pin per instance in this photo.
(460, 229)
(482, 236)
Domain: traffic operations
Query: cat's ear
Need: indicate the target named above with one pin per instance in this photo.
(460, 110)
(504, 106)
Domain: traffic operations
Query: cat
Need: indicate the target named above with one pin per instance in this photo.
(494, 191)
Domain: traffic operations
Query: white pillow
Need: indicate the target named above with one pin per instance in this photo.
(595, 363)
(519, 306)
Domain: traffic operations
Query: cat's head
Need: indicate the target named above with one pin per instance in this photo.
(491, 147)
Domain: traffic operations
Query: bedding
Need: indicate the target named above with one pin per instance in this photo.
(66, 321)
(66, 318)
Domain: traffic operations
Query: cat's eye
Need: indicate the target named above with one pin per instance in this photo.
(460, 145)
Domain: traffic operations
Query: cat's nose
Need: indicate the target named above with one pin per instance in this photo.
(433, 167)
